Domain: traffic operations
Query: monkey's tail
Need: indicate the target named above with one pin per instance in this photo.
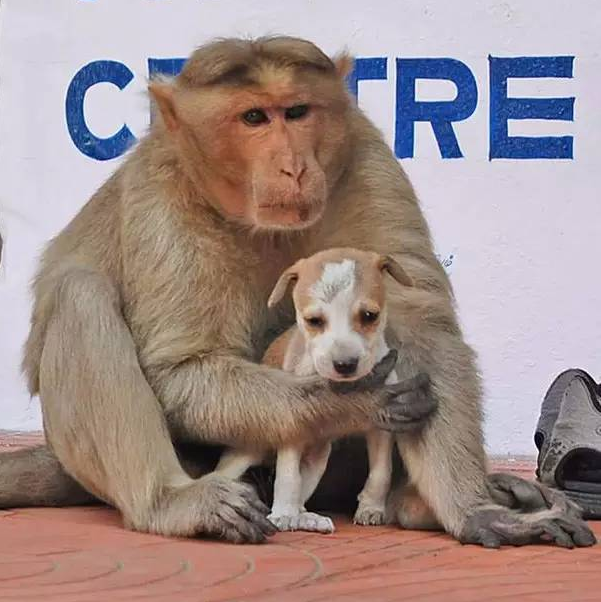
(35, 477)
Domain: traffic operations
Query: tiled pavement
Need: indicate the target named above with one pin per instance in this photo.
(83, 555)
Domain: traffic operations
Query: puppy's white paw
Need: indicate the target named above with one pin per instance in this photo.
(304, 521)
(367, 514)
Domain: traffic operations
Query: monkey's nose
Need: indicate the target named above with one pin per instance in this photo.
(293, 171)
(346, 367)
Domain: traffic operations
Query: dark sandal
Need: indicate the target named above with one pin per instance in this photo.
(568, 436)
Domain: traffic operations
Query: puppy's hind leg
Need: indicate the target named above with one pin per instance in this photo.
(235, 462)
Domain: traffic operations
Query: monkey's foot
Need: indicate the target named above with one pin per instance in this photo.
(304, 521)
(493, 526)
(368, 514)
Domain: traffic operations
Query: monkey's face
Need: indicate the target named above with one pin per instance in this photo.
(271, 156)
(265, 139)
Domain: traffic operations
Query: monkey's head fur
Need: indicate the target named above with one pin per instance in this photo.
(266, 122)
(339, 298)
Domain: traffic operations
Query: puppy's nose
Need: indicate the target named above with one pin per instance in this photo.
(346, 367)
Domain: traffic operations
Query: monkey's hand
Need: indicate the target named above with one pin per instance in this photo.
(374, 381)
(408, 407)
(492, 526)
(404, 406)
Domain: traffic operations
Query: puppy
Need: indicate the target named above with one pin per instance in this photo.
(339, 299)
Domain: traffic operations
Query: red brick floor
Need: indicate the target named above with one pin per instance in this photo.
(83, 555)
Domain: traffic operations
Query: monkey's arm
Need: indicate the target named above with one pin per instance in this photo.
(228, 399)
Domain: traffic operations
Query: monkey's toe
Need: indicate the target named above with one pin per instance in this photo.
(369, 515)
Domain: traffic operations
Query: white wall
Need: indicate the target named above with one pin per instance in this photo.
(523, 232)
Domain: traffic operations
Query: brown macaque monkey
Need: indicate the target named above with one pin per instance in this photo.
(150, 315)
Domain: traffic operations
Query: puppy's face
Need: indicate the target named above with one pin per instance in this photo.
(340, 309)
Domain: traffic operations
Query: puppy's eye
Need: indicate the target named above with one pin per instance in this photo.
(315, 321)
(297, 111)
(368, 317)
(255, 117)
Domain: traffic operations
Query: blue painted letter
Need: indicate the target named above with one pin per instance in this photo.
(93, 73)
(502, 146)
(165, 66)
(441, 114)
(370, 68)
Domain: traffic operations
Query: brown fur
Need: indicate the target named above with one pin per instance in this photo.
(150, 306)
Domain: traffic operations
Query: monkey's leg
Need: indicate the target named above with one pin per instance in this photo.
(34, 477)
(372, 499)
(235, 462)
(109, 433)
(446, 463)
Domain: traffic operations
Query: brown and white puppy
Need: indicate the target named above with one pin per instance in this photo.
(339, 299)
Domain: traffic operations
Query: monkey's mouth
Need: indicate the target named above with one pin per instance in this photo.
(288, 215)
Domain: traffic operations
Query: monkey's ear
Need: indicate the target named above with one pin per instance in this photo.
(344, 64)
(162, 94)
(281, 286)
(394, 268)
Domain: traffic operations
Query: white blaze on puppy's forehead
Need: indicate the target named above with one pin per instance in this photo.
(335, 278)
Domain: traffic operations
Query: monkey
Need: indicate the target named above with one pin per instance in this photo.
(149, 315)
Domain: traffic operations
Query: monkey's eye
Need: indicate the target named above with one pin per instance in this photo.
(297, 111)
(255, 117)
(315, 321)
(368, 317)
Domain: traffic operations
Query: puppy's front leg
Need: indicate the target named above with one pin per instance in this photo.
(314, 463)
(288, 512)
(372, 499)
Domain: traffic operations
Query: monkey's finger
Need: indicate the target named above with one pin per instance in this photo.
(556, 533)
(515, 533)
(399, 427)
(373, 381)
(523, 533)
(249, 494)
(381, 370)
(490, 540)
(412, 406)
(397, 422)
(580, 532)
(407, 415)
(257, 518)
(245, 529)
(558, 500)
(419, 381)
(512, 491)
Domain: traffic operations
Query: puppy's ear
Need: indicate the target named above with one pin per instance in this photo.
(290, 276)
(393, 267)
